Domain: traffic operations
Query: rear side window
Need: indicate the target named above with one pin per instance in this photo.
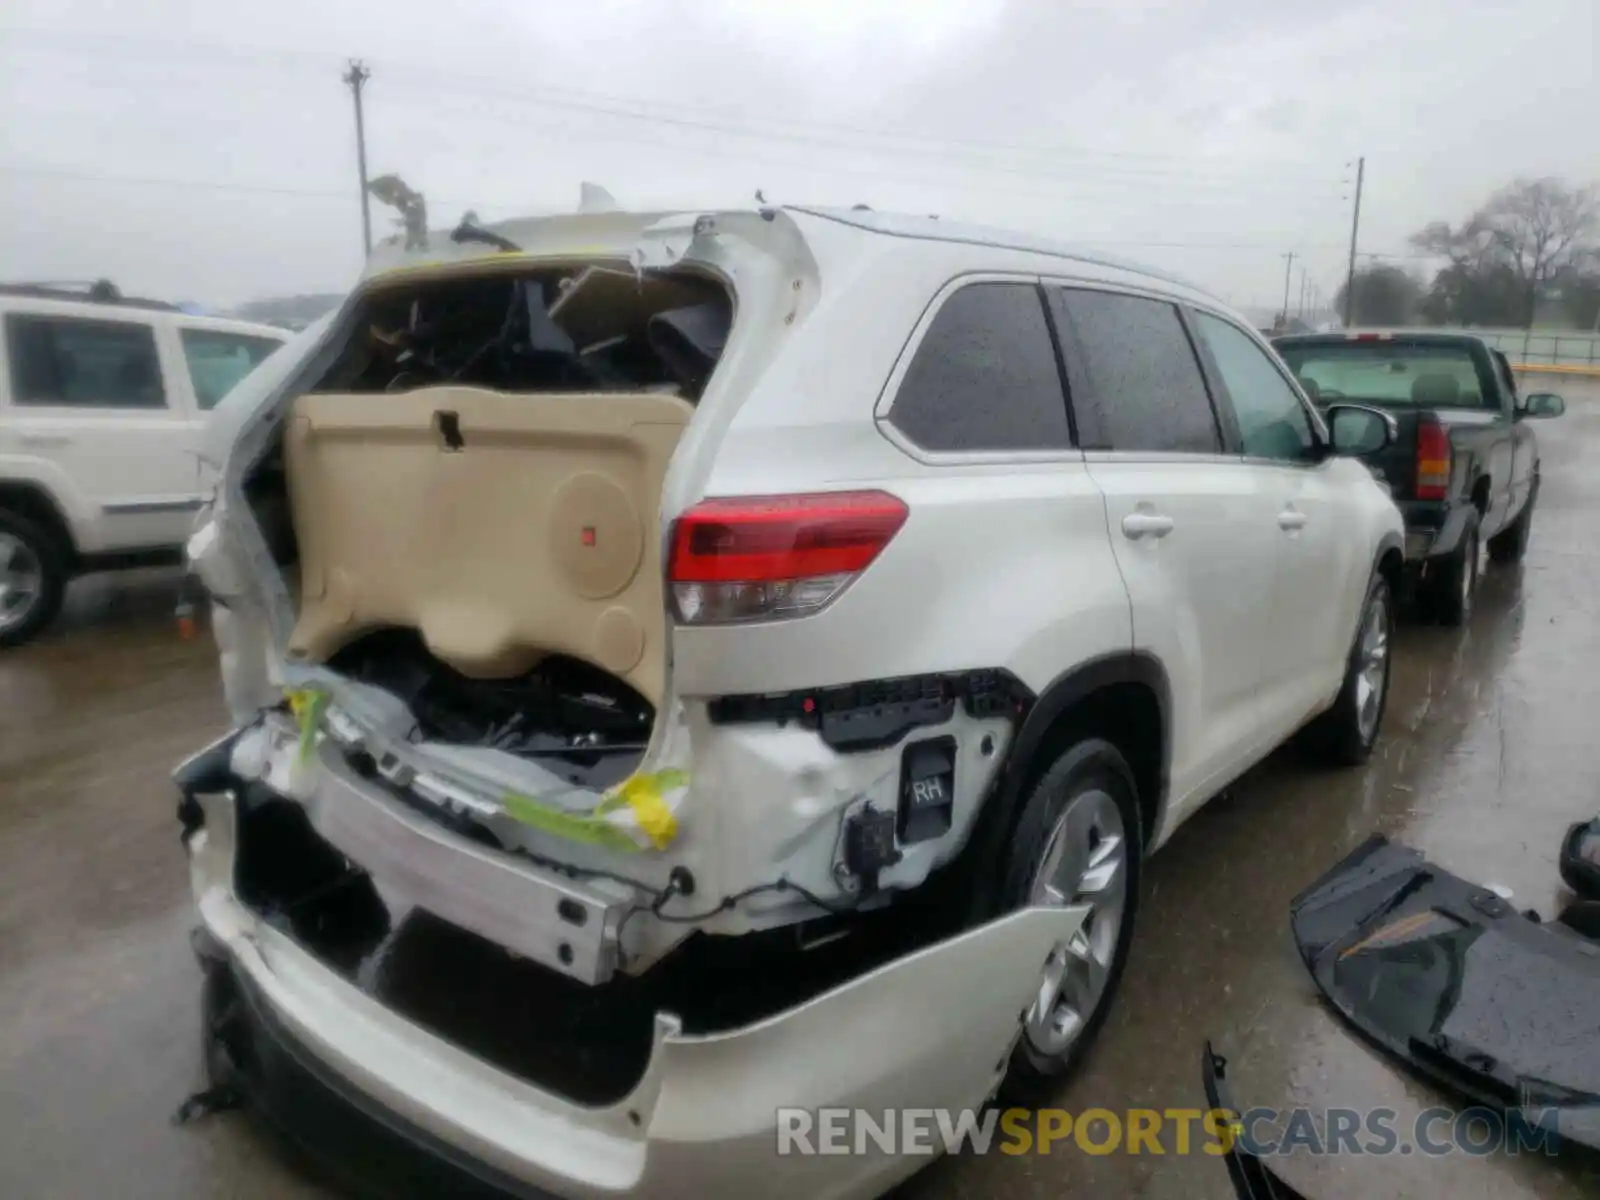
(83, 363)
(985, 376)
(217, 361)
(1143, 374)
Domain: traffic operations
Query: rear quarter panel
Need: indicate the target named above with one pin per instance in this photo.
(995, 567)
(1001, 564)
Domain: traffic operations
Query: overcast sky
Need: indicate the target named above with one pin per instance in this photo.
(206, 150)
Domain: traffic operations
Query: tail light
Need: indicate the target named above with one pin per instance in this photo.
(758, 558)
(1433, 461)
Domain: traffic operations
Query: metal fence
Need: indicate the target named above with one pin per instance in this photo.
(1565, 352)
(1548, 349)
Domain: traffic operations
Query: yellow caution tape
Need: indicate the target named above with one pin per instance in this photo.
(578, 827)
(644, 795)
(308, 705)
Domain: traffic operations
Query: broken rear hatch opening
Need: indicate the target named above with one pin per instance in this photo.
(1450, 978)
(462, 504)
(443, 607)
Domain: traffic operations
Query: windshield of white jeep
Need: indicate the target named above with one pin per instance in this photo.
(1393, 373)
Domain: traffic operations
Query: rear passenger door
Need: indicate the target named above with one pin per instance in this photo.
(1322, 571)
(90, 396)
(1192, 529)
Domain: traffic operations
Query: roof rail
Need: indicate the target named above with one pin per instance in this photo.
(99, 291)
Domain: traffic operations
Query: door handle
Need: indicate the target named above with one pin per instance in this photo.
(1146, 524)
(1291, 520)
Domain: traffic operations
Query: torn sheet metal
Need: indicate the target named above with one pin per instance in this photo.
(1470, 993)
(639, 813)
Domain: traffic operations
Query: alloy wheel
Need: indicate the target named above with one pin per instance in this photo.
(1372, 667)
(21, 581)
(1084, 863)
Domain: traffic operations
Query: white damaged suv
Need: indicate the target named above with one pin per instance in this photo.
(691, 665)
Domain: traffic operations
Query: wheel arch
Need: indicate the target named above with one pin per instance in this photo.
(35, 503)
(1125, 698)
(1480, 493)
(1390, 560)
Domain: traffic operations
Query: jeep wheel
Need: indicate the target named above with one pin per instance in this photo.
(1345, 735)
(1077, 841)
(33, 578)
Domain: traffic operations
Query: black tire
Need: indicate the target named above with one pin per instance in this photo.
(1340, 737)
(18, 532)
(1453, 582)
(1089, 771)
(1511, 543)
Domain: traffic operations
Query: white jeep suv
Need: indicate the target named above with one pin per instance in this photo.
(102, 399)
(691, 664)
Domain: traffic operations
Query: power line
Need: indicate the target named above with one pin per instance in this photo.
(1126, 178)
(481, 206)
(1132, 173)
(877, 173)
(1230, 192)
(648, 110)
(99, 177)
(207, 185)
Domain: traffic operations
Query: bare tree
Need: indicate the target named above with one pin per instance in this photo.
(1539, 229)
(412, 207)
(1385, 295)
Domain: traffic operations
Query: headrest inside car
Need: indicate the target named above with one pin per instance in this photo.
(1435, 389)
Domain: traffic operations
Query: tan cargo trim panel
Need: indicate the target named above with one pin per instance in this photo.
(502, 527)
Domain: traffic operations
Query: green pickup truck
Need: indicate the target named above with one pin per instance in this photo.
(1464, 466)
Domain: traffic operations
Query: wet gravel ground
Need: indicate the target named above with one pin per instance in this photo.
(1484, 761)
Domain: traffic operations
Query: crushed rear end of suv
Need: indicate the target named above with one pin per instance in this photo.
(682, 669)
(514, 835)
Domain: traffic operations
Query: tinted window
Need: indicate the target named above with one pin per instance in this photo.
(217, 361)
(1272, 421)
(985, 377)
(1143, 372)
(87, 364)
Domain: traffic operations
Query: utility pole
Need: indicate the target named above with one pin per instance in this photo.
(355, 78)
(1355, 228)
(1301, 311)
(1288, 269)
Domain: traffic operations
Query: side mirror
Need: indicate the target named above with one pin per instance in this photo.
(1358, 429)
(1543, 404)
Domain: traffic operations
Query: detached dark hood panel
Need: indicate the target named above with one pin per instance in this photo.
(1449, 977)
